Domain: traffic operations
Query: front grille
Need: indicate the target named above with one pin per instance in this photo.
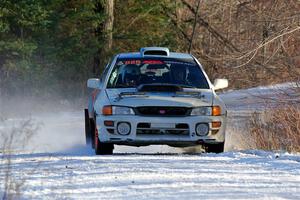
(162, 111)
(146, 129)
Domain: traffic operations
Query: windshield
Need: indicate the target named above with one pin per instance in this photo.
(130, 73)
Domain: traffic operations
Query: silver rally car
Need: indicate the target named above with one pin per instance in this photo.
(155, 97)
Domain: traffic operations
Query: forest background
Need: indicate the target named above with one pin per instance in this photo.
(50, 48)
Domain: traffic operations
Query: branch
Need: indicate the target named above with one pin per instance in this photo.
(174, 22)
(194, 26)
(266, 43)
(255, 50)
(215, 33)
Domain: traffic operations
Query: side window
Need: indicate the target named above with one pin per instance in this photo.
(104, 74)
(113, 76)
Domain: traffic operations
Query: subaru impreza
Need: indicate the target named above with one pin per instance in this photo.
(155, 96)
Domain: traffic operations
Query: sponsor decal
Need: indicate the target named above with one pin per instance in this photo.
(153, 62)
(133, 62)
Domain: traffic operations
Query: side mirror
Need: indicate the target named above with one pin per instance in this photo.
(220, 84)
(93, 83)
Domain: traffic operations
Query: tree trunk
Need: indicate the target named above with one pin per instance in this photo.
(104, 33)
(109, 23)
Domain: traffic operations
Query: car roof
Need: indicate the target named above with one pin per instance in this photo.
(137, 55)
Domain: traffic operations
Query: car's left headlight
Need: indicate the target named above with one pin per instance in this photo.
(202, 111)
(120, 110)
(117, 110)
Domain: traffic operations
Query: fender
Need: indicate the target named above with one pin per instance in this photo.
(91, 102)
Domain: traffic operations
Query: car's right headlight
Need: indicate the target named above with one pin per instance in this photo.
(117, 110)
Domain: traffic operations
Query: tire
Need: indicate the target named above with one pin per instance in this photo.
(214, 148)
(88, 130)
(102, 148)
(92, 125)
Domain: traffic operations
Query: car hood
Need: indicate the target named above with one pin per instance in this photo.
(187, 98)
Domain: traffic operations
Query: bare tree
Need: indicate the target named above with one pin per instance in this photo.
(252, 42)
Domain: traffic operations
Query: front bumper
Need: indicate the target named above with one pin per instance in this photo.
(109, 134)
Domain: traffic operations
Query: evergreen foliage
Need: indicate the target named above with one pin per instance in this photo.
(49, 47)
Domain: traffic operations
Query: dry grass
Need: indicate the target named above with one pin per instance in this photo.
(13, 139)
(277, 128)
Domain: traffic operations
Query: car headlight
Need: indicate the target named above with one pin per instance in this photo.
(117, 110)
(202, 111)
(213, 111)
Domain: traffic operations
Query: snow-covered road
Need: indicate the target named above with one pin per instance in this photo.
(231, 175)
(56, 165)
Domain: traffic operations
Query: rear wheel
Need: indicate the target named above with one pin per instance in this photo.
(214, 148)
(102, 148)
(88, 130)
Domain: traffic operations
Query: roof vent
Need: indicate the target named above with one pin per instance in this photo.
(154, 51)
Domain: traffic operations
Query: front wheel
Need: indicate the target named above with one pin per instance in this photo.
(88, 130)
(102, 148)
(214, 148)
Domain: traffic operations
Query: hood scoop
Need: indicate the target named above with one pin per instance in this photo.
(159, 88)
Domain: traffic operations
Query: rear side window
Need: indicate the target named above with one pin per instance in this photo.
(130, 73)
